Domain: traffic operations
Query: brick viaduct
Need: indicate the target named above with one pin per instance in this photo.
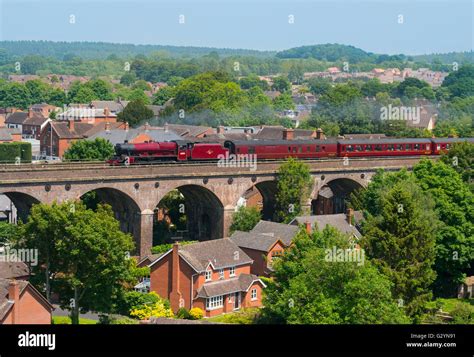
(211, 192)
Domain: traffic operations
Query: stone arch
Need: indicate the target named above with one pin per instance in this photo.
(263, 195)
(126, 209)
(204, 211)
(332, 194)
(22, 202)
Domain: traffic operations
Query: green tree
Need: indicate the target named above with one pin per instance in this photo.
(39, 91)
(399, 237)
(163, 95)
(461, 157)
(84, 95)
(460, 83)
(309, 288)
(245, 219)
(283, 102)
(281, 84)
(454, 203)
(101, 88)
(135, 112)
(319, 85)
(15, 95)
(293, 188)
(90, 150)
(128, 78)
(8, 233)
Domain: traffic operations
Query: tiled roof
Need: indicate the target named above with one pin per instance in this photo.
(227, 286)
(283, 232)
(220, 253)
(188, 130)
(338, 221)
(10, 270)
(35, 120)
(113, 105)
(119, 136)
(63, 131)
(6, 133)
(253, 240)
(16, 118)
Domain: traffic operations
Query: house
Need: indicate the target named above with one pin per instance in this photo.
(21, 303)
(466, 290)
(115, 106)
(344, 222)
(8, 135)
(262, 248)
(42, 109)
(15, 120)
(57, 136)
(142, 134)
(89, 115)
(32, 126)
(213, 275)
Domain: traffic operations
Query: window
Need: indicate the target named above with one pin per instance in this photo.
(317, 148)
(308, 148)
(208, 275)
(214, 302)
(368, 147)
(416, 147)
(221, 273)
(300, 149)
(232, 271)
(251, 149)
(378, 147)
(407, 147)
(289, 148)
(253, 295)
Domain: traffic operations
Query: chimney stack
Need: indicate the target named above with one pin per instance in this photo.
(319, 134)
(107, 127)
(71, 124)
(308, 227)
(14, 295)
(288, 134)
(106, 112)
(350, 215)
(126, 126)
(175, 293)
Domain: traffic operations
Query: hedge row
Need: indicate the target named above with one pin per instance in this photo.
(10, 151)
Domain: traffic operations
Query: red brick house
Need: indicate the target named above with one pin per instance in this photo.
(21, 303)
(266, 241)
(214, 276)
(261, 248)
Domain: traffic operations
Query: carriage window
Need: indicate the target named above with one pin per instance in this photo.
(317, 148)
(300, 149)
(358, 148)
(308, 148)
(368, 147)
(324, 148)
(349, 148)
(378, 147)
(399, 147)
(289, 148)
(294, 149)
(427, 146)
(407, 146)
(438, 146)
(416, 147)
(251, 149)
(390, 147)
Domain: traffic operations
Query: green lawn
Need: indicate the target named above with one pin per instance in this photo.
(66, 320)
(449, 304)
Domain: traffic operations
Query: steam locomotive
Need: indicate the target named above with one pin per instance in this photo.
(182, 150)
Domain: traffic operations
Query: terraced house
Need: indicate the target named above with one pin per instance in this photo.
(214, 276)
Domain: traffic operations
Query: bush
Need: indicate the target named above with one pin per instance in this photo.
(133, 300)
(463, 314)
(196, 313)
(158, 309)
(10, 151)
(183, 313)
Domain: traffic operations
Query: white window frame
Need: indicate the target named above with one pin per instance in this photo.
(215, 302)
(208, 275)
(232, 271)
(253, 294)
(221, 274)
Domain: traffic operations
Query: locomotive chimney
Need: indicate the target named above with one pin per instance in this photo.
(319, 134)
(288, 134)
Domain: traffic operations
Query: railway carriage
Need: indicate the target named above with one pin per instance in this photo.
(384, 147)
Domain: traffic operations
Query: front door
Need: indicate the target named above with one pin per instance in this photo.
(236, 301)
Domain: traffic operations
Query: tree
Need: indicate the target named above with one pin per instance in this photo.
(39, 91)
(128, 79)
(90, 150)
(15, 95)
(319, 85)
(82, 255)
(283, 102)
(460, 83)
(163, 95)
(84, 95)
(101, 88)
(138, 94)
(8, 233)
(135, 112)
(309, 288)
(293, 189)
(399, 238)
(281, 84)
(454, 204)
(461, 157)
(245, 219)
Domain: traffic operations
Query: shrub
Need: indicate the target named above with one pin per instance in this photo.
(463, 313)
(10, 151)
(196, 313)
(183, 313)
(133, 300)
(158, 309)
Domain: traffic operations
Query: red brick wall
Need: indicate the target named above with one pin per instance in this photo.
(259, 264)
(31, 311)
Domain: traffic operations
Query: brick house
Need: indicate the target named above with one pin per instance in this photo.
(214, 276)
(21, 303)
(466, 289)
(15, 120)
(32, 126)
(266, 241)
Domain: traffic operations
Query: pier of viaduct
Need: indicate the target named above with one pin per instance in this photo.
(211, 193)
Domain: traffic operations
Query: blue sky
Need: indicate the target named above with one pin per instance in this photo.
(429, 26)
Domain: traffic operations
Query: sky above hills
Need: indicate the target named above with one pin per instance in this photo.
(380, 26)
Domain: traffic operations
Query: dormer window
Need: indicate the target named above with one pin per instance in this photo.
(208, 275)
(221, 273)
(232, 271)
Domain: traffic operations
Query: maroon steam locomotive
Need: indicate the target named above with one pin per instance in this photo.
(182, 150)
